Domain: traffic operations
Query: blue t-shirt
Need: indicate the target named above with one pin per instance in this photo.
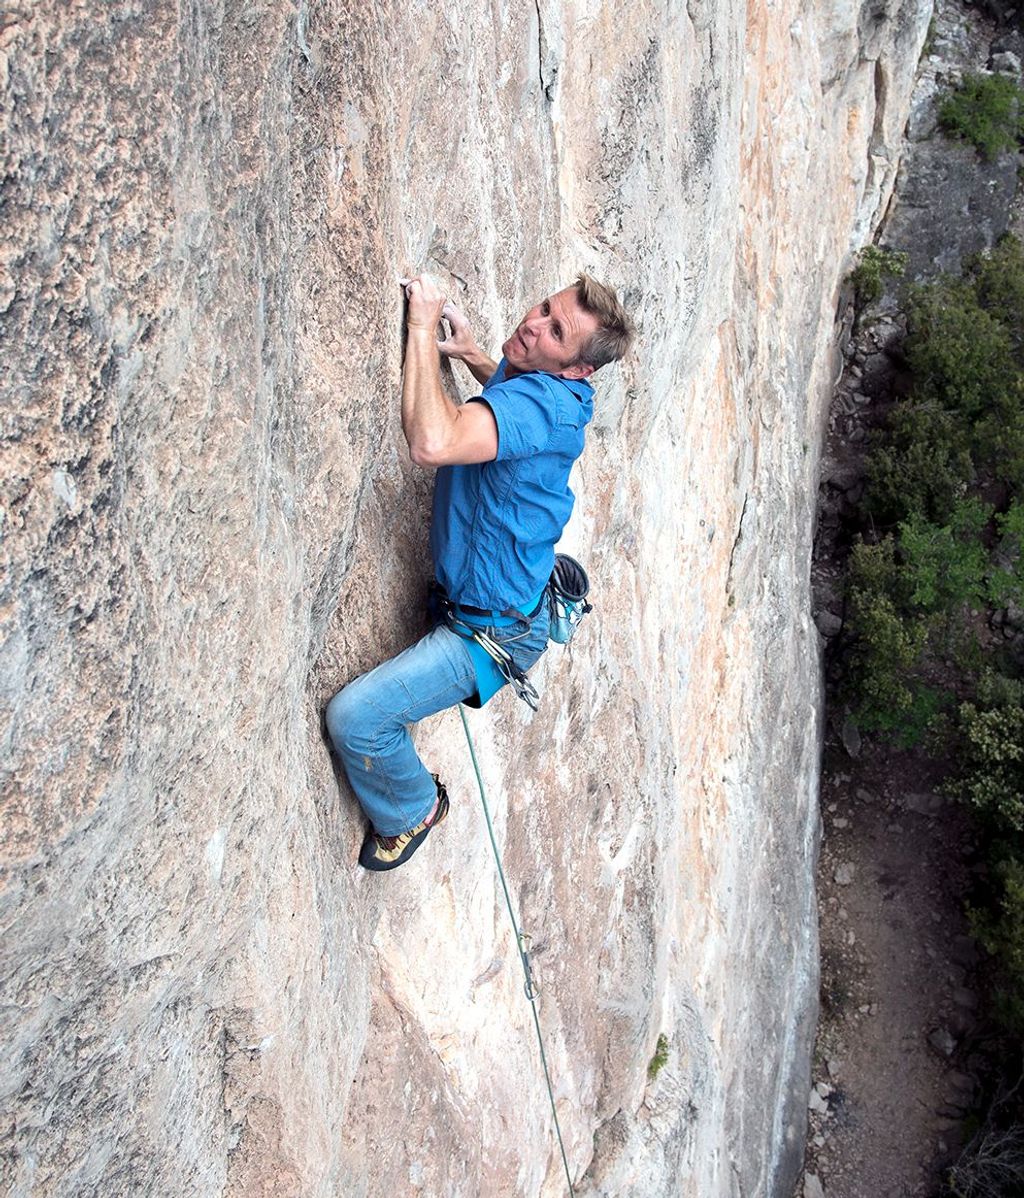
(495, 524)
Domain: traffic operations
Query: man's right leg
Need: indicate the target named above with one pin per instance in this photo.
(368, 726)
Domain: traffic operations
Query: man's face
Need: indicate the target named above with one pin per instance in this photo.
(550, 336)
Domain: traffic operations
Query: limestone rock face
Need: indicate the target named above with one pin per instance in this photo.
(210, 524)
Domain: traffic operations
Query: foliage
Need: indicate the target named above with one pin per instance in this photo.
(999, 285)
(873, 263)
(945, 501)
(991, 773)
(987, 111)
(1006, 580)
(889, 645)
(923, 467)
(965, 416)
(999, 925)
(961, 354)
(660, 1058)
(945, 564)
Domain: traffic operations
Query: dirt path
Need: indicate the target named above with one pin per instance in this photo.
(893, 1059)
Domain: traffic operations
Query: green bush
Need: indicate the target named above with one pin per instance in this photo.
(999, 285)
(991, 768)
(923, 467)
(945, 565)
(874, 263)
(987, 111)
(999, 925)
(961, 355)
(660, 1058)
(889, 646)
(1006, 577)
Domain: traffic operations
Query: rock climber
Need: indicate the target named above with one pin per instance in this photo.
(501, 500)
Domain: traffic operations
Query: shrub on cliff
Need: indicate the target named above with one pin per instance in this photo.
(921, 466)
(874, 264)
(987, 111)
(889, 644)
(964, 419)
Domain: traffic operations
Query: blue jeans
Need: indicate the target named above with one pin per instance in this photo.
(368, 722)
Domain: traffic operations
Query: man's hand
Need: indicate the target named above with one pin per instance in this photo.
(426, 301)
(427, 306)
(460, 342)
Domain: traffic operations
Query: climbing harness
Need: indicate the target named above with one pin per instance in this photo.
(567, 589)
(566, 596)
(512, 674)
(522, 940)
(448, 611)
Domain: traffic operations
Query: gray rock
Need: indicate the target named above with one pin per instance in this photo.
(962, 1082)
(850, 737)
(964, 950)
(1006, 63)
(924, 803)
(828, 625)
(813, 1187)
(817, 1104)
(844, 874)
(965, 998)
(976, 198)
(845, 475)
(942, 1041)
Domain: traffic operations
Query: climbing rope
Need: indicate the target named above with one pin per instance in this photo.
(521, 942)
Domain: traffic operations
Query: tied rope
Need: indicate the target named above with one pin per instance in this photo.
(521, 942)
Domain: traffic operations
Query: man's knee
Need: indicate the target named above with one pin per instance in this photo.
(345, 719)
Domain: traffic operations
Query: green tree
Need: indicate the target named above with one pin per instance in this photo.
(985, 110)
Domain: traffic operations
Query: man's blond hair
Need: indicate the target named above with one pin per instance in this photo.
(615, 331)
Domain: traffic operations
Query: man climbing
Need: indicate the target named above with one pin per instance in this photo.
(501, 500)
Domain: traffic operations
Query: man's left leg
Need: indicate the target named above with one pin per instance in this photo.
(368, 723)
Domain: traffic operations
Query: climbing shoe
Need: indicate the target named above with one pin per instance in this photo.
(388, 852)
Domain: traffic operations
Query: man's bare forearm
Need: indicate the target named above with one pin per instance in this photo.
(480, 366)
(427, 413)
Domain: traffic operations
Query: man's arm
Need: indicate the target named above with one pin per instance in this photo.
(461, 344)
(439, 433)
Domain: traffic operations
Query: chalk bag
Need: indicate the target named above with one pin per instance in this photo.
(568, 588)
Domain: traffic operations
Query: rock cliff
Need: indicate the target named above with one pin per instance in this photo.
(209, 524)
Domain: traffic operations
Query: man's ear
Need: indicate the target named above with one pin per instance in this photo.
(579, 370)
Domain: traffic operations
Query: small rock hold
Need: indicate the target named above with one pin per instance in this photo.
(832, 1065)
(824, 1089)
(844, 874)
(817, 1104)
(840, 823)
(866, 796)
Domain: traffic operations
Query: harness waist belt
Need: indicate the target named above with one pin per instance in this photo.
(485, 611)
